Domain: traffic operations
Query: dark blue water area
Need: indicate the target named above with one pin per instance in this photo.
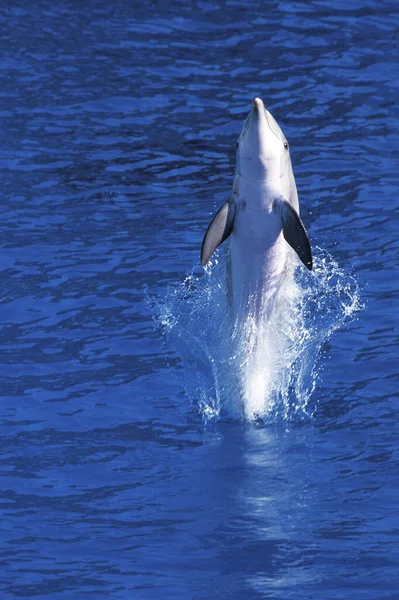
(121, 476)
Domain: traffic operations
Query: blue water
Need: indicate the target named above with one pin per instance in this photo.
(128, 467)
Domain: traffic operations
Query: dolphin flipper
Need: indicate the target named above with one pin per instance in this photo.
(295, 233)
(219, 229)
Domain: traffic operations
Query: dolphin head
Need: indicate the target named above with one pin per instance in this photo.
(262, 150)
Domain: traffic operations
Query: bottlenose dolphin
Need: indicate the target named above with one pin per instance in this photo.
(261, 217)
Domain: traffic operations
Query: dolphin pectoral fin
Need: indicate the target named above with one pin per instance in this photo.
(219, 229)
(295, 234)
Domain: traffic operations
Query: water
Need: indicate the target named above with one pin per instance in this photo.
(129, 468)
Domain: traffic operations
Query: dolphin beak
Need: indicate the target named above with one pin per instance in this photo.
(257, 123)
(257, 106)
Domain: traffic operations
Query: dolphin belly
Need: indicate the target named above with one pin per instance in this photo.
(258, 264)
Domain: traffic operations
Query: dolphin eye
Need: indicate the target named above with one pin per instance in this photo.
(236, 145)
(286, 145)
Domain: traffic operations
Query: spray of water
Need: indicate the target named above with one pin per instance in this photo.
(263, 367)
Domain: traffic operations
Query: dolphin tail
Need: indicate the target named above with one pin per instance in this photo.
(295, 233)
(219, 229)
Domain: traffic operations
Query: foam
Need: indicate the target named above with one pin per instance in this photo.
(264, 367)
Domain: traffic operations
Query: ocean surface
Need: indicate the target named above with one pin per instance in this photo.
(129, 466)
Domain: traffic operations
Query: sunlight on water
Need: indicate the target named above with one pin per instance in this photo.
(261, 368)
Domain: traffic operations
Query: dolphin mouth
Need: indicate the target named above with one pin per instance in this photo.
(272, 124)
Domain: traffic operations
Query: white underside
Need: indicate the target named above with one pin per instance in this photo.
(260, 258)
(260, 275)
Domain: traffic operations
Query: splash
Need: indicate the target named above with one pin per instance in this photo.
(260, 368)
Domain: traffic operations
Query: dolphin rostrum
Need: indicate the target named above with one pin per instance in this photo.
(261, 217)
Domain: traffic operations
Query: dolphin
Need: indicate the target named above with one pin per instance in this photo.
(261, 217)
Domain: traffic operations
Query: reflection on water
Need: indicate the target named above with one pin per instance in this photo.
(257, 509)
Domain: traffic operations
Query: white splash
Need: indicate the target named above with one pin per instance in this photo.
(261, 368)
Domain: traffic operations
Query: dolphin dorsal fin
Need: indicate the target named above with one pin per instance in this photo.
(295, 233)
(219, 229)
